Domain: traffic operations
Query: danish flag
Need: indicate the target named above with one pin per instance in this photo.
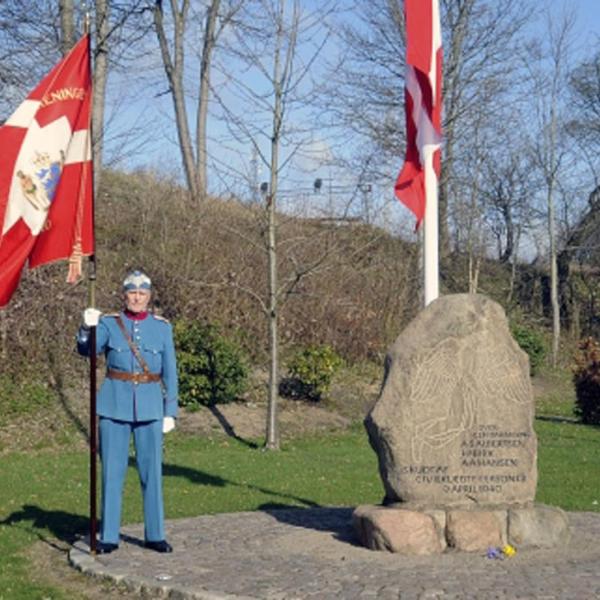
(417, 181)
(46, 178)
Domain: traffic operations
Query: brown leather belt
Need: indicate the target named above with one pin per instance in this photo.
(134, 377)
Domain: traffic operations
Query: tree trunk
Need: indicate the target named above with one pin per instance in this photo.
(552, 160)
(100, 77)
(67, 25)
(513, 268)
(474, 269)
(272, 441)
(209, 44)
(554, 287)
(452, 78)
(174, 71)
(552, 235)
(510, 232)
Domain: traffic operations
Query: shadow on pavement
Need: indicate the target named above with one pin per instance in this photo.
(337, 520)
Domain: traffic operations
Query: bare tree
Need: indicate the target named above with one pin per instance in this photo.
(469, 211)
(479, 39)
(579, 252)
(274, 80)
(279, 77)
(33, 35)
(548, 70)
(584, 125)
(507, 191)
(100, 80)
(173, 58)
(30, 39)
(580, 249)
(205, 65)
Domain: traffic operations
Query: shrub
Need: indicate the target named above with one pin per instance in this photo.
(212, 369)
(532, 342)
(310, 373)
(586, 377)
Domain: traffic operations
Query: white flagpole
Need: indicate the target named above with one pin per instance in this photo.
(431, 283)
(430, 231)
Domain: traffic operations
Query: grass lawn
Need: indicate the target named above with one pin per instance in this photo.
(44, 495)
(569, 476)
(555, 393)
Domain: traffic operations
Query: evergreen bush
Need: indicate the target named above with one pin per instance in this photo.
(310, 373)
(212, 368)
(532, 342)
(586, 377)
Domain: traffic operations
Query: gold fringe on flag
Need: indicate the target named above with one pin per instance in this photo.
(75, 269)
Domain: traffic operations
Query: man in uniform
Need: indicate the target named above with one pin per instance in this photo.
(139, 396)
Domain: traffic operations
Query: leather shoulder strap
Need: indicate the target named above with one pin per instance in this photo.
(137, 354)
(131, 345)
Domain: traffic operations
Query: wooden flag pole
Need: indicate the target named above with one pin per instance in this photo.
(93, 356)
(93, 419)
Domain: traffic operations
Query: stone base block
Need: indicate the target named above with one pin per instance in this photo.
(430, 531)
(470, 530)
(540, 526)
(398, 530)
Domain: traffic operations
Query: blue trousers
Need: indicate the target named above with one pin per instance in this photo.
(114, 454)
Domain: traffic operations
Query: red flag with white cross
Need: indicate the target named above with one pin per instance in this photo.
(46, 177)
(423, 106)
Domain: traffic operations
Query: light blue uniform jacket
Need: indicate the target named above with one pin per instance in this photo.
(125, 400)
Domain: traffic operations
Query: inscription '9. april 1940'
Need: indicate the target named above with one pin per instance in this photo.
(489, 458)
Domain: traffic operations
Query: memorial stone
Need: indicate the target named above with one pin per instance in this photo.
(453, 425)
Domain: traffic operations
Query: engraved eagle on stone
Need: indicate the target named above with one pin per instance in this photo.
(460, 374)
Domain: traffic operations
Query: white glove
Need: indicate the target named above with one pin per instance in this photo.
(91, 316)
(168, 424)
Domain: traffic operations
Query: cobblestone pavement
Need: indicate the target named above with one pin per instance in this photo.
(295, 554)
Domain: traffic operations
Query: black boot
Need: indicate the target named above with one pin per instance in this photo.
(105, 547)
(163, 546)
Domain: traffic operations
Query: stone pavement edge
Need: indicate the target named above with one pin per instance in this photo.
(294, 554)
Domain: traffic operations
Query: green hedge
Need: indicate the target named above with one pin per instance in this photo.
(212, 368)
(532, 342)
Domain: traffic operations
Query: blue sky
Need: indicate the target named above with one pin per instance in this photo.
(161, 153)
(586, 32)
(588, 20)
